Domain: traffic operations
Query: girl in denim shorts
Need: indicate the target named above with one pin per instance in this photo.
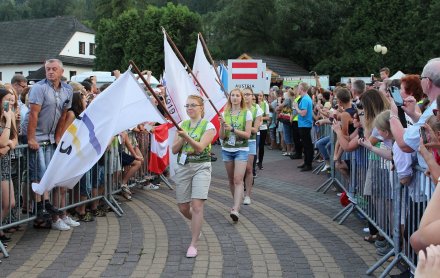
(235, 130)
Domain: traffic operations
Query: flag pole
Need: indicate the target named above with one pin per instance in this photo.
(189, 69)
(213, 64)
(159, 102)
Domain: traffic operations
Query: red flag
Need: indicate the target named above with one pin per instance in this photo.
(216, 122)
(244, 70)
(160, 154)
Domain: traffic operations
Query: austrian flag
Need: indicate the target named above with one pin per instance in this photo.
(160, 154)
(244, 70)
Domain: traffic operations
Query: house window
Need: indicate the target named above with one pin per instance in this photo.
(18, 72)
(72, 73)
(31, 72)
(1, 77)
(92, 48)
(82, 48)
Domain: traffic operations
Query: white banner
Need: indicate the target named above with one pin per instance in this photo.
(179, 84)
(121, 106)
(207, 77)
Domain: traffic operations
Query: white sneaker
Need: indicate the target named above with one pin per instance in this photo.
(247, 200)
(151, 186)
(326, 167)
(366, 230)
(60, 225)
(70, 222)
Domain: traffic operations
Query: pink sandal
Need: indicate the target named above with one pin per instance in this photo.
(192, 252)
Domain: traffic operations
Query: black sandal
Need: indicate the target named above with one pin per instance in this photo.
(87, 217)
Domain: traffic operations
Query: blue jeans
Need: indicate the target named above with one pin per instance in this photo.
(322, 145)
(287, 133)
(39, 160)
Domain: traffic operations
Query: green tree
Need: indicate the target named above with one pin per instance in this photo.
(136, 35)
(242, 26)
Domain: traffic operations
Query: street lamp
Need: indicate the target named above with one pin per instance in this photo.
(382, 49)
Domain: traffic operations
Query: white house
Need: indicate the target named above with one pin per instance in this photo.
(26, 44)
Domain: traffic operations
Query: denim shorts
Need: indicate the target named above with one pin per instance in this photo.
(252, 147)
(235, 156)
(39, 160)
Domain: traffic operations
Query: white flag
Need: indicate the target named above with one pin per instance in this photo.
(179, 84)
(121, 106)
(207, 77)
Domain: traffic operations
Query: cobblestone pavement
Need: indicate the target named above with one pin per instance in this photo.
(287, 231)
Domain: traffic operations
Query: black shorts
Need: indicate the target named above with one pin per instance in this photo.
(126, 159)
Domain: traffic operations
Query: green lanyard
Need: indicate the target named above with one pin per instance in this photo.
(192, 132)
(234, 124)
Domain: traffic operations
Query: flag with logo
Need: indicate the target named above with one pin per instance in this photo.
(179, 84)
(121, 106)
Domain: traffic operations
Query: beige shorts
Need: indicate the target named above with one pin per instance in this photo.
(192, 181)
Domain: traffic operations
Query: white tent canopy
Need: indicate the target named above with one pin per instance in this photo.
(397, 75)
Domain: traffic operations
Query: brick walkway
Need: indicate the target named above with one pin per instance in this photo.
(287, 231)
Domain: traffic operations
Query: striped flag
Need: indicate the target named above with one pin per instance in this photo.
(160, 153)
(244, 70)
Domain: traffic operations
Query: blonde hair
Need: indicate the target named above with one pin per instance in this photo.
(201, 102)
(433, 123)
(382, 121)
(229, 104)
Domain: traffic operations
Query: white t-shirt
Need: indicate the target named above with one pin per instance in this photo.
(246, 149)
(258, 114)
(264, 126)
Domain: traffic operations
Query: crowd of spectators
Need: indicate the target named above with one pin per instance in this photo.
(395, 120)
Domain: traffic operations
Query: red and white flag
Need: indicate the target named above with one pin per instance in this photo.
(244, 70)
(160, 153)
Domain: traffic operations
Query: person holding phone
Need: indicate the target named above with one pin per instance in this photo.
(8, 141)
(193, 169)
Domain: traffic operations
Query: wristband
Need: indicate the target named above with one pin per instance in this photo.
(7, 127)
(394, 116)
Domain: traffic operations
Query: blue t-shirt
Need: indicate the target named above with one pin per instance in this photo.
(306, 104)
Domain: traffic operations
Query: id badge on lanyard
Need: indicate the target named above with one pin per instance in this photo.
(182, 158)
(232, 139)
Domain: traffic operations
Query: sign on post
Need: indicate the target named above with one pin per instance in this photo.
(247, 73)
(295, 80)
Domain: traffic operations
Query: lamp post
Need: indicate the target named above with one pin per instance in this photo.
(382, 49)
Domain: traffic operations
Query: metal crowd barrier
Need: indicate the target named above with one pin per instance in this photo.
(319, 132)
(336, 179)
(375, 192)
(99, 183)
